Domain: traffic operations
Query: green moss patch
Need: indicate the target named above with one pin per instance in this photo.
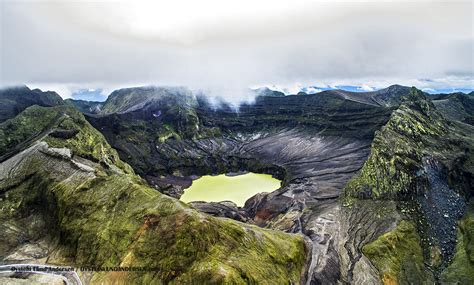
(397, 255)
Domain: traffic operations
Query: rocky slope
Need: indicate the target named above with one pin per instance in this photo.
(316, 143)
(456, 106)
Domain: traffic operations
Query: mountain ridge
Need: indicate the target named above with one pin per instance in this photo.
(13, 100)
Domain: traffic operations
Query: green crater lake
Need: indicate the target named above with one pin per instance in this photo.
(229, 188)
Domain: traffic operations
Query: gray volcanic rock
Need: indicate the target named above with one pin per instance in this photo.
(265, 91)
(386, 97)
(141, 98)
(170, 185)
(424, 162)
(226, 209)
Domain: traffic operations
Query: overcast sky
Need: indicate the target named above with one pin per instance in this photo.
(225, 47)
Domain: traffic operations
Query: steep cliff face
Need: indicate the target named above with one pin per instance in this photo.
(415, 134)
(398, 256)
(68, 199)
(461, 269)
(415, 130)
(327, 112)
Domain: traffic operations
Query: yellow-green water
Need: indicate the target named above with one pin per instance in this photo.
(229, 188)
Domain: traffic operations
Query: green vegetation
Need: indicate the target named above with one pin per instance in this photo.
(94, 211)
(27, 125)
(398, 256)
(14, 100)
(113, 221)
(166, 132)
(87, 142)
(37, 123)
(414, 131)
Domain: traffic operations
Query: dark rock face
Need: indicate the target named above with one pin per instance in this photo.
(63, 134)
(325, 112)
(226, 209)
(170, 185)
(441, 208)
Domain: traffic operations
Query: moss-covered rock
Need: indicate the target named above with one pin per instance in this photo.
(27, 126)
(398, 256)
(398, 148)
(85, 141)
(415, 130)
(48, 123)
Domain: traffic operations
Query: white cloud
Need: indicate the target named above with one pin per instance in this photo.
(227, 46)
(429, 90)
(365, 87)
(312, 90)
(65, 91)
